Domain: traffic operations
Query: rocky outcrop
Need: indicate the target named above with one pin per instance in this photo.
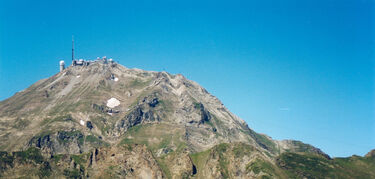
(298, 146)
(104, 109)
(237, 160)
(181, 166)
(370, 154)
(204, 115)
(134, 161)
(143, 112)
(66, 142)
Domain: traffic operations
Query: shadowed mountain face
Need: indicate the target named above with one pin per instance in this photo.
(105, 120)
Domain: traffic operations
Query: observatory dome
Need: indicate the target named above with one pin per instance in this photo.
(62, 62)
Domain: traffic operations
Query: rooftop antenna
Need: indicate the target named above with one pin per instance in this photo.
(72, 48)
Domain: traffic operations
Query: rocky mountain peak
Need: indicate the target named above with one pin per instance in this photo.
(100, 114)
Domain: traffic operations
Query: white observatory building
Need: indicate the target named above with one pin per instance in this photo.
(62, 65)
(83, 63)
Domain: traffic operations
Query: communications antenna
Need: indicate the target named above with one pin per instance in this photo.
(72, 48)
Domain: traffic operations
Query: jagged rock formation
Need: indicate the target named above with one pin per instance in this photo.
(370, 154)
(160, 126)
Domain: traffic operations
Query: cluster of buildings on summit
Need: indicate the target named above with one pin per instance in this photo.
(82, 62)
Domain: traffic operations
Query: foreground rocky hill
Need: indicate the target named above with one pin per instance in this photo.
(107, 121)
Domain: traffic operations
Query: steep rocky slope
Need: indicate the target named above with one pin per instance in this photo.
(106, 121)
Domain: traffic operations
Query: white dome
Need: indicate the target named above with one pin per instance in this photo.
(62, 62)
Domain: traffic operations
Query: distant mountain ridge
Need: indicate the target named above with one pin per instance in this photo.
(103, 120)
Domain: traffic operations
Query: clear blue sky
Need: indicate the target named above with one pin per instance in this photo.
(290, 69)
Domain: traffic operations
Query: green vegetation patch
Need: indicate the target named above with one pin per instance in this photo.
(136, 83)
(92, 139)
(157, 137)
(241, 150)
(56, 158)
(126, 141)
(305, 165)
(101, 123)
(200, 158)
(220, 151)
(163, 166)
(66, 107)
(63, 118)
(154, 136)
(6, 160)
(75, 173)
(96, 141)
(221, 148)
(355, 167)
(31, 154)
(68, 136)
(259, 165)
(45, 170)
(197, 105)
(264, 142)
(80, 159)
(166, 106)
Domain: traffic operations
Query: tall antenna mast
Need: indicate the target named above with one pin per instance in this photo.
(72, 48)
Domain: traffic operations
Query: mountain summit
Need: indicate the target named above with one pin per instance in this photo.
(102, 120)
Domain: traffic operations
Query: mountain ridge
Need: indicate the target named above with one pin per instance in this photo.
(171, 121)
